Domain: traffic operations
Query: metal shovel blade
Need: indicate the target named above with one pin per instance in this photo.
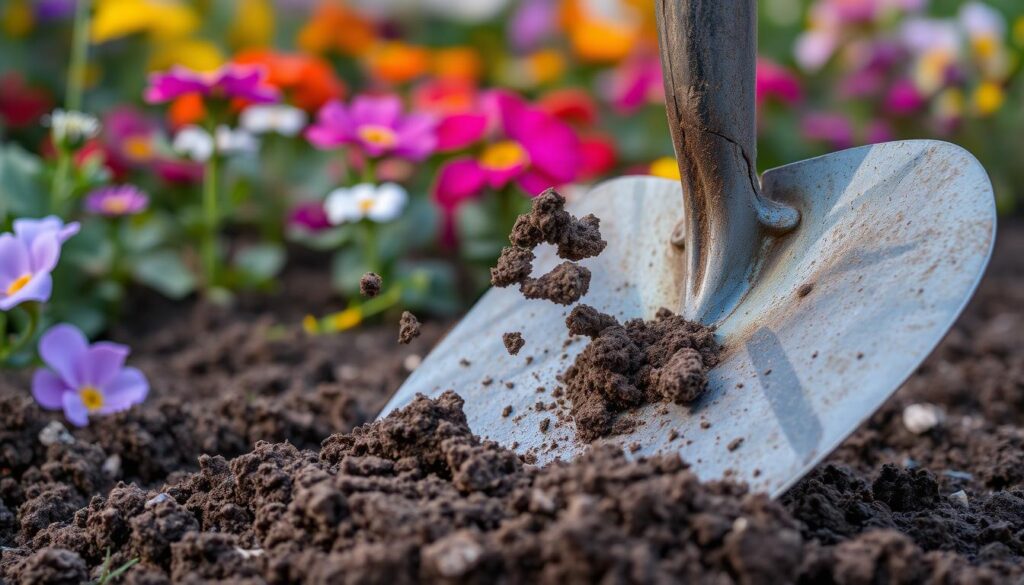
(892, 241)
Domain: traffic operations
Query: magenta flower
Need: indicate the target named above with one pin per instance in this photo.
(117, 201)
(377, 126)
(776, 82)
(635, 83)
(903, 98)
(229, 82)
(834, 129)
(27, 257)
(85, 379)
(525, 146)
(309, 216)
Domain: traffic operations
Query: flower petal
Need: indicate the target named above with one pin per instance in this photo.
(61, 347)
(390, 201)
(45, 252)
(460, 130)
(38, 289)
(48, 389)
(377, 110)
(457, 181)
(535, 182)
(74, 409)
(128, 388)
(101, 363)
(417, 136)
(15, 260)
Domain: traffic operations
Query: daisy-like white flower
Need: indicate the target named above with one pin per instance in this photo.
(197, 144)
(71, 128)
(379, 203)
(279, 119)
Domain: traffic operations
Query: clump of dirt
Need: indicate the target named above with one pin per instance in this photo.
(513, 342)
(408, 328)
(370, 285)
(575, 239)
(625, 366)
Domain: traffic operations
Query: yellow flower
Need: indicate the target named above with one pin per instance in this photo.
(458, 63)
(346, 319)
(595, 41)
(988, 98)
(196, 54)
(253, 25)
(162, 19)
(930, 70)
(18, 19)
(310, 325)
(666, 167)
(546, 66)
(949, 105)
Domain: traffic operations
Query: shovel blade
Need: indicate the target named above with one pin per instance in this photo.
(892, 243)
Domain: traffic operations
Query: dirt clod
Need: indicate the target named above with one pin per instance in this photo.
(408, 328)
(513, 342)
(370, 285)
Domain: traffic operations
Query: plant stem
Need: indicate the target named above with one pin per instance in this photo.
(210, 222)
(370, 252)
(61, 180)
(79, 56)
(32, 310)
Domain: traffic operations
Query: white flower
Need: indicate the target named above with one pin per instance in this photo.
(281, 119)
(982, 21)
(378, 203)
(197, 144)
(466, 11)
(71, 127)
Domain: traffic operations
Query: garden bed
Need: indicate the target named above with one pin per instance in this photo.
(418, 497)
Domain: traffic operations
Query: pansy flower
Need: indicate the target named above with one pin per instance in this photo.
(117, 201)
(27, 257)
(380, 204)
(377, 126)
(85, 380)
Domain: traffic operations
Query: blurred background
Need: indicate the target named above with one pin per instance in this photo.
(832, 74)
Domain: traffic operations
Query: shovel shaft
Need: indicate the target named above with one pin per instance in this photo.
(708, 55)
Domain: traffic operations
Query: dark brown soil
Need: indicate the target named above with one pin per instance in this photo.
(625, 366)
(417, 497)
(513, 342)
(575, 239)
(370, 284)
(408, 328)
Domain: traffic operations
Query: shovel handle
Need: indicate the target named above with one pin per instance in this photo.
(708, 57)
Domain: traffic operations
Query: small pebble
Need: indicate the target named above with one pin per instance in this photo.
(923, 417)
(412, 361)
(960, 497)
(161, 497)
(54, 433)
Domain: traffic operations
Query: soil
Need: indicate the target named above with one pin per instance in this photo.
(513, 342)
(624, 366)
(243, 466)
(575, 239)
(408, 328)
(370, 284)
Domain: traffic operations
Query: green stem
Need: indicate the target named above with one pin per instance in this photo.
(79, 56)
(32, 310)
(383, 302)
(210, 222)
(61, 180)
(370, 253)
(370, 171)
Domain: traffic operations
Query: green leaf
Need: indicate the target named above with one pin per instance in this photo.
(21, 191)
(429, 285)
(260, 263)
(147, 232)
(164, 271)
(347, 267)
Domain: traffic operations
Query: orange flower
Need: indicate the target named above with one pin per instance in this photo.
(460, 63)
(397, 62)
(309, 82)
(188, 109)
(335, 27)
(602, 38)
(444, 96)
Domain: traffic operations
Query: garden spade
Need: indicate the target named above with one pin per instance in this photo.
(828, 280)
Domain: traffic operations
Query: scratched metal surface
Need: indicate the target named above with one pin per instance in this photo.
(893, 240)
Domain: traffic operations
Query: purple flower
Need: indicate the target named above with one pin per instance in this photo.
(27, 257)
(47, 10)
(229, 82)
(834, 129)
(85, 379)
(375, 124)
(531, 23)
(309, 216)
(117, 201)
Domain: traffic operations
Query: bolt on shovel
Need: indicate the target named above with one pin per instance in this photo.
(829, 280)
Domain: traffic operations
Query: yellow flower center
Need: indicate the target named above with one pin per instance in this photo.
(365, 205)
(91, 398)
(988, 98)
(504, 155)
(115, 205)
(138, 148)
(378, 135)
(985, 46)
(19, 284)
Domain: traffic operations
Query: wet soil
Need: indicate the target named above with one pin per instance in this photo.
(244, 466)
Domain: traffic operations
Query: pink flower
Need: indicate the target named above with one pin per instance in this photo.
(309, 216)
(834, 129)
(377, 126)
(525, 146)
(117, 201)
(903, 98)
(635, 83)
(776, 82)
(229, 82)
